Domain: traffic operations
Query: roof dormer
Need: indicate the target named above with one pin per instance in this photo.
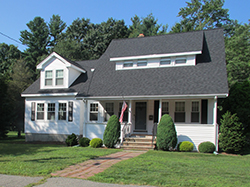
(58, 72)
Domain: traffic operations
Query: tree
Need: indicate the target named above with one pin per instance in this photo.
(8, 56)
(232, 138)
(20, 80)
(5, 108)
(202, 14)
(37, 40)
(147, 26)
(56, 27)
(238, 53)
(112, 132)
(166, 134)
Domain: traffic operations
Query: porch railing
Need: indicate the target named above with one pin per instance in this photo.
(125, 131)
(154, 132)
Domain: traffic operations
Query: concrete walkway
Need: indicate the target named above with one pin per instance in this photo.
(91, 167)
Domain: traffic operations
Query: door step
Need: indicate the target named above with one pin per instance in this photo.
(138, 142)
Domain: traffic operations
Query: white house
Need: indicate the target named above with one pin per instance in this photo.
(181, 74)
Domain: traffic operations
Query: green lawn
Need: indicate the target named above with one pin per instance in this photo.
(19, 158)
(160, 168)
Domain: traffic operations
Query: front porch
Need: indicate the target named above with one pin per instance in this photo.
(195, 118)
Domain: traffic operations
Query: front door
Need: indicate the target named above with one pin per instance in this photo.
(140, 115)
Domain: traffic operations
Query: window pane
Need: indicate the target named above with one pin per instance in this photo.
(179, 117)
(180, 106)
(59, 73)
(62, 111)
(40, 111)
(48, 82)
(165, 62)
(195, 106)
(142, 63)
(180, 61)
(195, 116)
(51, 111)
(109, 111)
(48, 74)
(165, 109)
(59, 81)
(128, 64)
(93, 116)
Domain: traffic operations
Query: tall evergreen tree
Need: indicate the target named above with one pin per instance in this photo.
(37, 40)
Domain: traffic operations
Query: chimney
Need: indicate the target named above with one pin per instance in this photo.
(141, 35)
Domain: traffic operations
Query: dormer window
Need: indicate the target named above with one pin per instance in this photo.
(59, 77)
(165, 61)
(142, 63)
(128, 64)
(48, 78)
(180, 61)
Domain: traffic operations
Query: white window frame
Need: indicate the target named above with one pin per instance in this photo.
(180, 111)
(180, 59)
(94, 111)
(40, 111)
(51, 111)
(59, 77)
(66, 111)
(199, 108)
(48, 78)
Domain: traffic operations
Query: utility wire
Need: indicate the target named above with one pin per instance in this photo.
(11, 38)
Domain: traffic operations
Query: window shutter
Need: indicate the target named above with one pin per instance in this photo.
(33, 106)
(204, 105)
(70, 111)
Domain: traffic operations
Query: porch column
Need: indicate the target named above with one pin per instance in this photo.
(85, 117)
(159, 115)
(215, 123)
(130, 112)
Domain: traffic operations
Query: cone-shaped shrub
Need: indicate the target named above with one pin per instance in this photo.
(166, 134)
(112, 132)
(232, 137)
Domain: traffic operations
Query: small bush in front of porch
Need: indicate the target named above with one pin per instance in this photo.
(96, 142)
(206, 147)
(166, 134)
(71, 140)
(84, 142)
(186, 146)
(112, 132)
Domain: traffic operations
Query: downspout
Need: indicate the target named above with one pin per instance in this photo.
(216, 125)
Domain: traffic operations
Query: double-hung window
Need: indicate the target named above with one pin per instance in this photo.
(128, 64)
(195, 113)
(48, 78)
(59, 77)
(165, 108)
(62, 111)
(93, 115)
(109, 111)
(40, 111)
(179, 115)
(142, 63)
(51, 111)
(180, 61)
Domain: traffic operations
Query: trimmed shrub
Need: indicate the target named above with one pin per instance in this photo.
(112, 132)
(186, 146)
(232, 137)
(166, 134)
(206, 147)
(96, 142)
(71, 140)
(84, 142)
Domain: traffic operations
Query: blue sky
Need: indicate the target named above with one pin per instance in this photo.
(14, 14)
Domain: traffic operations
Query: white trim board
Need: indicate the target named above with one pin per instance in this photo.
(49, 94)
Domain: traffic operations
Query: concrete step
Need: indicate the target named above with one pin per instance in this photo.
(133, 139)
(136, 147)
(137, 143)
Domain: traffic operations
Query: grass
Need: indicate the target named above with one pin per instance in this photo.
(160, 168)
(20, 158)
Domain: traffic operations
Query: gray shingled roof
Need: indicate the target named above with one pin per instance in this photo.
(209, 76)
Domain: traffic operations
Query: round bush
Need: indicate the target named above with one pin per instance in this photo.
(112, 132)
(96, 142)
(206, 147)
(71, 140)
(166, 134)
(84, 142)
(186, 146)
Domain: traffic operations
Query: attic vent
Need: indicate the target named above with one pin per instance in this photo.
(92, 70)
(141, 35)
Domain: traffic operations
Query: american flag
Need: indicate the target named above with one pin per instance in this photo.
(124, 106)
